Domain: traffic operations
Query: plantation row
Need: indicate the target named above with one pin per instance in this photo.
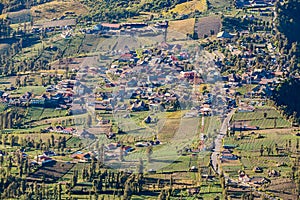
(35, 114)
(270, 123)
(257, 114)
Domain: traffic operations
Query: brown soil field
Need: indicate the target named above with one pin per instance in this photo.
(51, 172)
(207, 26)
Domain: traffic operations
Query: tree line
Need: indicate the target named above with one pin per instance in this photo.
(287, 99)
(288, 23)
(112, 10)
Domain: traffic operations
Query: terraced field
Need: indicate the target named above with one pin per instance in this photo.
(265, 118)
(270, 123)
(257, 114)
(36, 114)
(249, 150)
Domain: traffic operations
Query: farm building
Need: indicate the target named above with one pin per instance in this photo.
(228, 156)
(107, 27)
(224, 35)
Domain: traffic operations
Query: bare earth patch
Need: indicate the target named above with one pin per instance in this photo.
(180, 28)
(207, 26)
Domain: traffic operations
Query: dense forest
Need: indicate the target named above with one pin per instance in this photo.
(110, 10)
(157, 5)
(288, 99)
(288, 20)
(288, 23)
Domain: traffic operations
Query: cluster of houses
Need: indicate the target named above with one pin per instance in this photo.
(44, 159)
(54, 25)
(140, 79)
(112, 151)
(59, 129)
(246, 51)
(127, 28)
(58, 96)
(264, 82)
(142, 74)
(227, 155)
(253, 181)
(254, 3)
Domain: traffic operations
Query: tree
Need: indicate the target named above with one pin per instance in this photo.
(74, 178)
(261, 150)
(12, 140)
(89, 121)
(26, 166)
(140, 166)
(4, 139)
(149, 153)
(162, 195)
(171, 181)
(18, 82)
(269, 150)
(294, 169)
(23, 186)
(121, 156)
(59, 191)
(84, 176)
(287, 20)
(102, 154)
(1, 160)
(127, 192)
(20, 170)
(64, 142)
(52, 141)
(287, 99)
(276, 148)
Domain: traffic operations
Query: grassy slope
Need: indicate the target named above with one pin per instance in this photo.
(182, 27)
(249, 151)
(189, 7)
(257, 118)
(56, 9)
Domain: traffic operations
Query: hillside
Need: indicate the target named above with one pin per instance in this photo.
(288, 23)
(116, 10)
(288, 20)
(17, 5)
(189, 7)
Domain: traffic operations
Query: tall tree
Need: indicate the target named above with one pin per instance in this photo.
(149, 153)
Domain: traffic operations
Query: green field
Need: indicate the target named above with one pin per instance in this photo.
(38, 113)
(36, 90)
(264, 118)
(2, 107)
(183, 163)
(52, 113)
(249, 150)
(270, 123)
(33, 114)
(77, 143)
(257, 114)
